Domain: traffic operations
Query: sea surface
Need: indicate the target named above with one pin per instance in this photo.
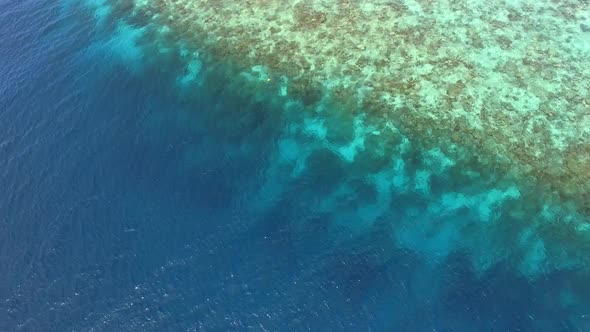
(130, 203)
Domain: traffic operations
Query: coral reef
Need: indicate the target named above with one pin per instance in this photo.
(492, 94)
(507, 80)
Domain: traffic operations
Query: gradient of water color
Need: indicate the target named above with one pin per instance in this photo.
(132, 202)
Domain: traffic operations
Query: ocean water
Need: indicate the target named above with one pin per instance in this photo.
(134, 200)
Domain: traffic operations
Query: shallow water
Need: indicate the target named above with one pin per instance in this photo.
(132, 202)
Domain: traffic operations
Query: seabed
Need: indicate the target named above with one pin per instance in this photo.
(479, 111)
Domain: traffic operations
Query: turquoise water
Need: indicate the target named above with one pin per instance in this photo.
(143, 192)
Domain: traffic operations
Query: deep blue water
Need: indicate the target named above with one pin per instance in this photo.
(126, 205)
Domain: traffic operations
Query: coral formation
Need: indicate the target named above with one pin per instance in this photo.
(487, 92)
(508, 80)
